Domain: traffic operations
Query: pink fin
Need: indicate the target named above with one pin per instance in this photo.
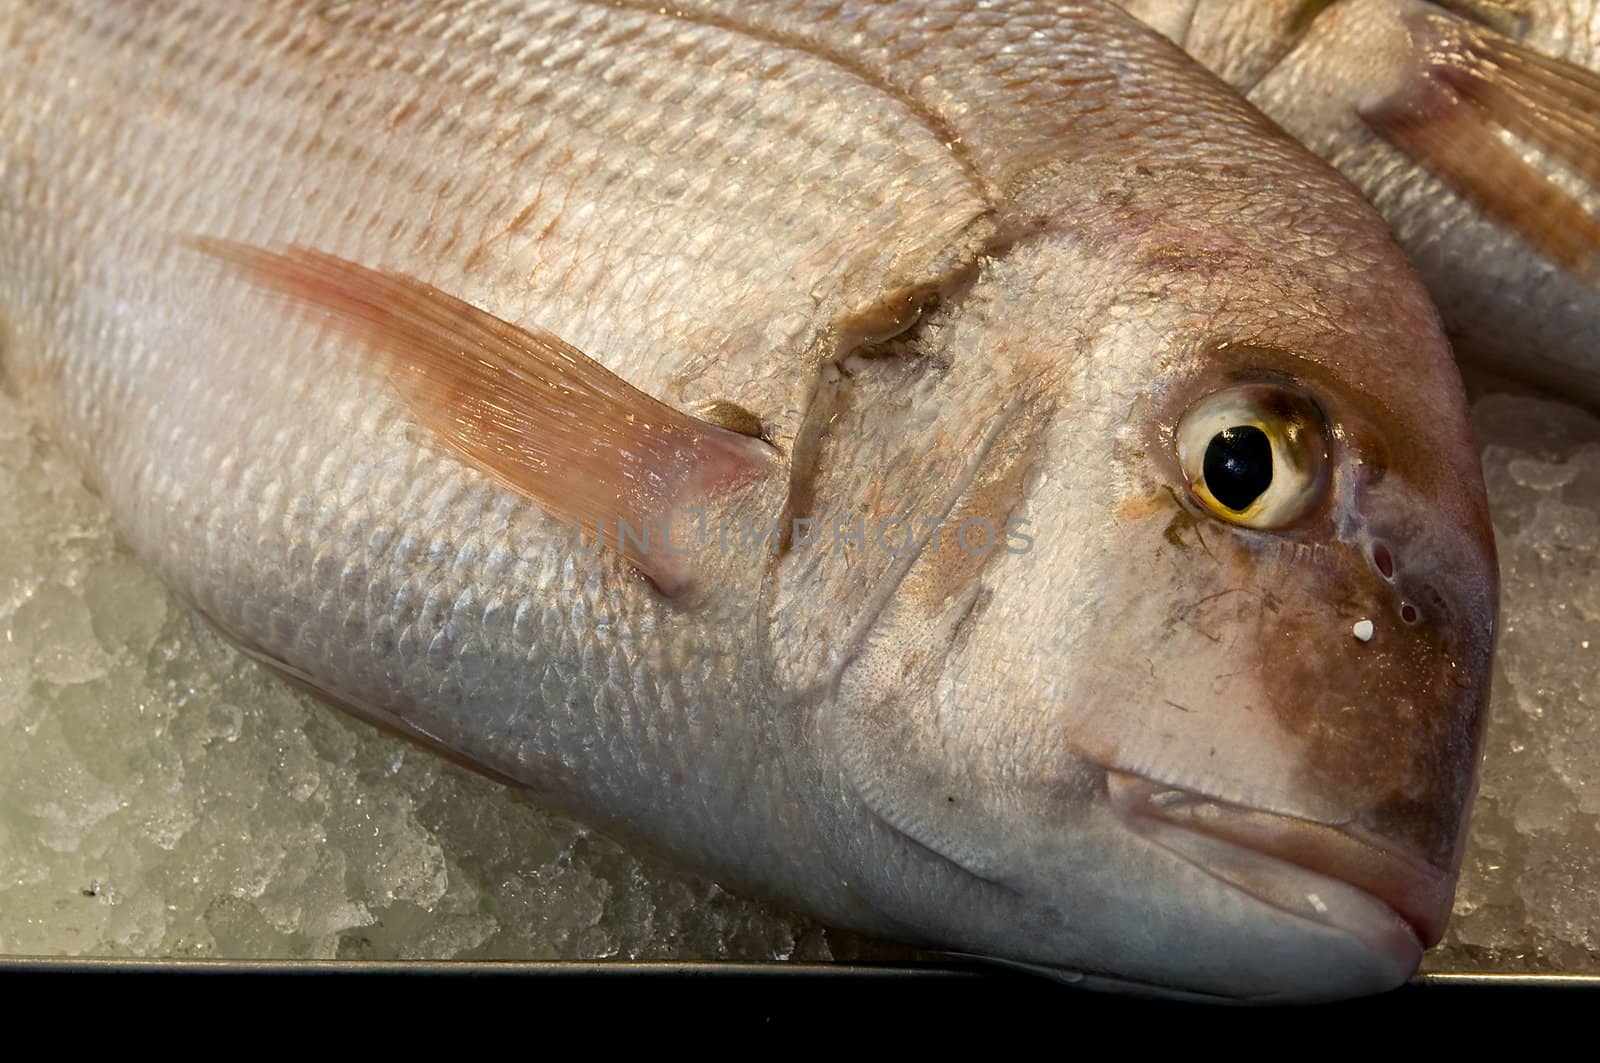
(1477, 83)
(526, 408)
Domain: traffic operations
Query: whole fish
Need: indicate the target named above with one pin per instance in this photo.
(952, 467)
(1472, 125)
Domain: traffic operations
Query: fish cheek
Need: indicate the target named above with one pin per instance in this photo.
(932, 719)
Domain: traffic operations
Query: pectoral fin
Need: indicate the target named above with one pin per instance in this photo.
(1473, 87)
(526, 408)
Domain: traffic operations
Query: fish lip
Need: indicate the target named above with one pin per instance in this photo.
(1369, 881)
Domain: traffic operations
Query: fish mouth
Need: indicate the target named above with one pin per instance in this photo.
(1394, 903)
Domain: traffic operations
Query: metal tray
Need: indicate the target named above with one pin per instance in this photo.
(622, 971)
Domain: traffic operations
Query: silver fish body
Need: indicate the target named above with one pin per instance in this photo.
(973, 267)
(1324, 71)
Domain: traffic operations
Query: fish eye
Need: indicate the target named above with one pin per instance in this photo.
(1255, 454)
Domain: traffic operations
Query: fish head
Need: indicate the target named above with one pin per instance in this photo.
(1210, 721)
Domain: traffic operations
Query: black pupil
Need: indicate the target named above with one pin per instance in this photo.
(1239, 466)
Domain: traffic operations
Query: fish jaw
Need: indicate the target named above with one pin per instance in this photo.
(1397, 903)
(1387, 907)
(1153, 910)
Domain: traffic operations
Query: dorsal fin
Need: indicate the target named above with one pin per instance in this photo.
(525, 407)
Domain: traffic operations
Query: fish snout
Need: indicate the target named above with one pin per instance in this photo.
(1388, 897)
(1422, 668)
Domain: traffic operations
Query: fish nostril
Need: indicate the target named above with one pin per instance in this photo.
(1409, 614)
(1384, 560)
